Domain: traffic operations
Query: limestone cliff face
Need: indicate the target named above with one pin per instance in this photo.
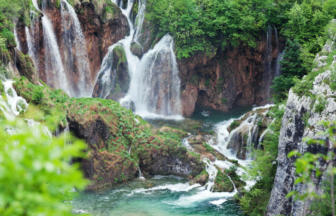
(234, 76)
(102, 24)
(301, 119)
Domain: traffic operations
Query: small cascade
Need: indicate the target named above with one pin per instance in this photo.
(18, 46)
(234, 186)
(269, 49)
(140, 175)
(106, 74)
(261, 138)
(74, 41)
(277, 71)
(212, 171)
(155, 84)
(129, 150)
(31, 49)
(6, 110)
(16, 103)
(139, 20)
(36, 128)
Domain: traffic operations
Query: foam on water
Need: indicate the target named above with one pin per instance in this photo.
(200, 196)
(218, 202)
(172, 187)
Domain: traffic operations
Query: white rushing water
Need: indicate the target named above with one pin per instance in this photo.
(16, 103)
(212, 171)
(155, 84)
(52, 58)
(74, 38)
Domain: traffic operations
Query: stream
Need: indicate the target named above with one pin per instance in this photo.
(158, 196)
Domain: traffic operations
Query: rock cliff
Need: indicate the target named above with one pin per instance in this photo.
(102, 24)
(233, 76)
(304, 110)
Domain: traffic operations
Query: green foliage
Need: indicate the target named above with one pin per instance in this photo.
(320, 106)
(308, 164)
(224, 101)
(234, 124)
(198, 25)
(320, 205)
(263, 168)
(36, 177)
(37, 94)
(209, 148)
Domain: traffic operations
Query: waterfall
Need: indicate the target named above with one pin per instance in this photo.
(16, 103)
(73, 37)
(212, 171)
(269, 48)
(31, 49)
(139, 19)
(234, 186)
(279, 57)
(261, 138)
(52, 57)
(18, 46)
(140, 175)
(155, 84)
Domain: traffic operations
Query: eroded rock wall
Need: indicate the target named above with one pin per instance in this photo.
(234, 76)
(102, 24)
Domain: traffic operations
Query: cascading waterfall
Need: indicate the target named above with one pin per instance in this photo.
(155, 84)
(52, 57)
(18, 46)
(264, 133)
(31, 48)
(279, 57)
(74, 39)
(16, 103)
(212, 171)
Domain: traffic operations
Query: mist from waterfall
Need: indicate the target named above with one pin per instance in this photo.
(155, 84)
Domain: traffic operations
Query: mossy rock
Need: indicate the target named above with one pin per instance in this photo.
(136, 50)
(201, 179)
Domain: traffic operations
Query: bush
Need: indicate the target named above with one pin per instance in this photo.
(36, 177)
(234, 124)
(37, 95)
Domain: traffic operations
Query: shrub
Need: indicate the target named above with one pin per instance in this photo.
(37, 95)
(234, 124)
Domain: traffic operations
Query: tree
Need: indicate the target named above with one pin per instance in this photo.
(291, 67)
(35, 174)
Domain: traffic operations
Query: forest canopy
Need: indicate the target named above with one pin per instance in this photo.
(206, 25)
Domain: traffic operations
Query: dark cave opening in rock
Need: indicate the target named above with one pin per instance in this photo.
(203, 99)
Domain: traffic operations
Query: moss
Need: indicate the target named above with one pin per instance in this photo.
(120, 52)
(222, 183)
(207, 82)
(2, 89)
(224, 101)
(109, 156)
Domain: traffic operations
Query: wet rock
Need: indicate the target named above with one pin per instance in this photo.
(102, 23)
(233, 76)
(136, 49)
(113, 83)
